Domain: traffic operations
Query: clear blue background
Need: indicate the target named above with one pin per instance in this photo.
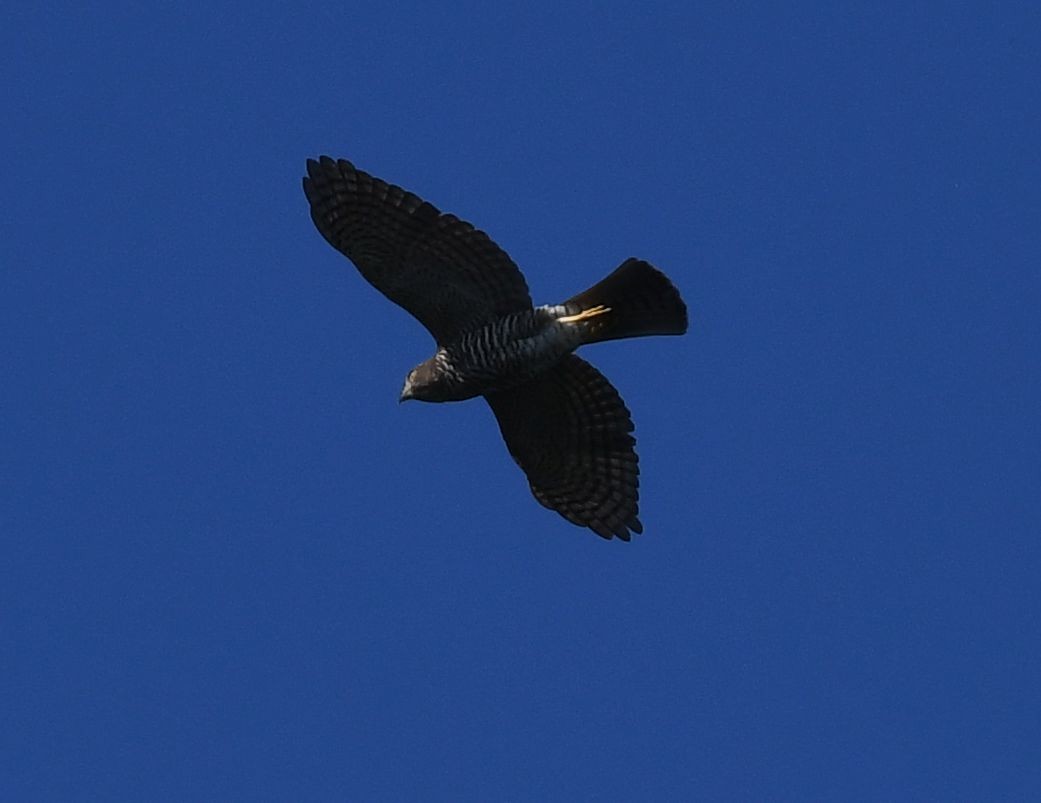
(234, 568)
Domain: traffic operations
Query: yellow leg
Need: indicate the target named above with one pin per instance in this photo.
(592, 312)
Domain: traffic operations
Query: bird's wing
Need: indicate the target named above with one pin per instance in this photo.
(569, 431)
(448, 274)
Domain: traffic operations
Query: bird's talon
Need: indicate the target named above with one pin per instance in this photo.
(592, 312)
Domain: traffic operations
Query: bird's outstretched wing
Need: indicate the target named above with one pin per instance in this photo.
(448, 274)
(569, 431)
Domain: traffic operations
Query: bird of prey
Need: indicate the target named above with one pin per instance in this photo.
(563, 422)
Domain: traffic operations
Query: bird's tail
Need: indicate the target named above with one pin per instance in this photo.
(635, 300)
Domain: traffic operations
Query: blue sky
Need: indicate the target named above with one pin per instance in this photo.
(235, 568)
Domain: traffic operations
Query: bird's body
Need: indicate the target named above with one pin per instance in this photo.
(563, 422)
(497, 357)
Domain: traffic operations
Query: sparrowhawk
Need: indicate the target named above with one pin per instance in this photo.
(563, 422)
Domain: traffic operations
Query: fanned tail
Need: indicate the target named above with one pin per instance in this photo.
(636, 300)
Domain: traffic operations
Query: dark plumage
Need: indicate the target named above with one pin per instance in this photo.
(563, 422)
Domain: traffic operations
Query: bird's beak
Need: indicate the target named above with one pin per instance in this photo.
(406, 393)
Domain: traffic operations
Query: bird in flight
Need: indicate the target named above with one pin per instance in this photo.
(564, 424)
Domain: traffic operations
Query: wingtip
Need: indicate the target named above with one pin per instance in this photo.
(321, 170)
(617, 529)
(326, 164)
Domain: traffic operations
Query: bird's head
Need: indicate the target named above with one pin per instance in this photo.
(429, 381)
(410, 388)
